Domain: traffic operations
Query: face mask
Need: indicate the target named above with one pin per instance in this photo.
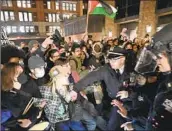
(22, 78)
(40, 73)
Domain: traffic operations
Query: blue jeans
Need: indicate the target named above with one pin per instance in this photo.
(67, 125)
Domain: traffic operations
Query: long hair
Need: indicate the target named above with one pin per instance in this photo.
(55, 75)
(8, 73)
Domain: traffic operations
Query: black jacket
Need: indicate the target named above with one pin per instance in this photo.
(106, 74)
(163, 105)
(96, 62)
(16, 103)
(31, 87)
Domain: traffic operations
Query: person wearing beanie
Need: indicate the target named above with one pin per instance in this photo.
(10, 53)
(114, 75)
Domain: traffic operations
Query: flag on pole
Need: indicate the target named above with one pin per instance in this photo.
(101, 7)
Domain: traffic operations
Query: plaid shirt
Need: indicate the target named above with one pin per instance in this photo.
(55, 109)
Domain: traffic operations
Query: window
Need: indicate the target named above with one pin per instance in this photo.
(32, 29)
(20, 16)
(127, 8)
(25, 16)
(71, 6)
(8, 29)
(19, 4)
(52, 17)
(7, 3)
(22, 29)
(57, 5)
(2, 16)
(51, 29)
(7, 16)
(24, 3)
(67, 6)
(28, 3)
(27, 29)
(57, 17)
(63, 6)
(14, 29)
(74, 7)
(12, 15)
(48, 5)
(30, 17)
(66, 16)
(161, 4)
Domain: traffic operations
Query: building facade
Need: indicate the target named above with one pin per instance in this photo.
(37, 17)
(140, 17)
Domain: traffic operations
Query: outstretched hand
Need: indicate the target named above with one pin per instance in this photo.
(122, 110)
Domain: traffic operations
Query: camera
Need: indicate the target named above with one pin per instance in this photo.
(57, 38)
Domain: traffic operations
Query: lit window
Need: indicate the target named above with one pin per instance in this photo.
(54, 18)
(50, 29)
(48, 5)
(64, 6)
(14, 29)
(74, 7)
(25, 16)
(8, 29)
(6, 16)
(57, 5)
(57, 16)
(28, 4)
(20, 16)
(7, 3)
(27, 29)
(23, 3)
(19, 4)
(70, 6)
(2, 16)
(54, 28)
(32, 29)
(49, 18)
(30, 17)
(22, 29)
(67, 6)
(12, 15)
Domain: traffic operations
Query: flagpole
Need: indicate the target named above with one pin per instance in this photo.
(86, 30)
(87, 18)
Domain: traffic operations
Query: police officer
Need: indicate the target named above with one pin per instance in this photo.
(159, 53)
(113, 74)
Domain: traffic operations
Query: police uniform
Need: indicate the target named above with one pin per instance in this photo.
(113, 81)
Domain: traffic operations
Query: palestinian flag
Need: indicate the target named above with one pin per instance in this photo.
(100, 7)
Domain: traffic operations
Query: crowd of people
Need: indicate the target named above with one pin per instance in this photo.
(113, 84)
